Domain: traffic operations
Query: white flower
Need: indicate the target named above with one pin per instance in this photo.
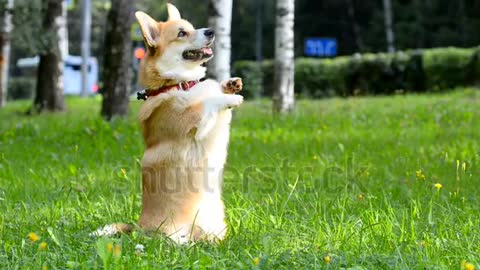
(139, 248)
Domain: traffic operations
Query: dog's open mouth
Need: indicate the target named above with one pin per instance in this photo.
(198, 54)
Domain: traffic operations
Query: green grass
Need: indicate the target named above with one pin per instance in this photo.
(352, 179)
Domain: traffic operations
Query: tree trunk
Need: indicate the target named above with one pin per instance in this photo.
(355, 27)
(220, 21)
(463, 21)
(49, 91)
(85, 46)
(284, 99)
(117, 72)
(387, 9)
(420, 27)
(259, 32)
(5, 50)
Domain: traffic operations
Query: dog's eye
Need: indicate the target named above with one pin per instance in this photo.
(182, 33)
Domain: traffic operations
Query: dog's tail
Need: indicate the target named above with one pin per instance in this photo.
(113, 229)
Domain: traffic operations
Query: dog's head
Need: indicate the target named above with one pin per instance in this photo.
(176, 50)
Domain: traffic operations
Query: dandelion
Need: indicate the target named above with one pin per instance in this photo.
(117, 251)
(43, 246)
(328, 259)
(33, 237)
(467, 266)
(139, 249)
(438, 186)
(110, 247)
(420, 175)
(256, 261)
(360, 197)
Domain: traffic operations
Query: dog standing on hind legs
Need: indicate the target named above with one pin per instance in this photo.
(186, 129)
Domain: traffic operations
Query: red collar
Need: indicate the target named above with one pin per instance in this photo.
(184, 86)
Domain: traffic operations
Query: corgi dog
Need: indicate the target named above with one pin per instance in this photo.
(186, 129)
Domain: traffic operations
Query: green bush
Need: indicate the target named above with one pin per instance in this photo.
(327, 73)
(474, 67)
(369, 74)
(446, 67)
(21, 88)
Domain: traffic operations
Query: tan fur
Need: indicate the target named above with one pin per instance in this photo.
(186, 136)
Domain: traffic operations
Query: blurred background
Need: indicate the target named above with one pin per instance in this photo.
(339, 45)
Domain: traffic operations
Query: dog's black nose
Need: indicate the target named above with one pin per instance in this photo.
(209, 33)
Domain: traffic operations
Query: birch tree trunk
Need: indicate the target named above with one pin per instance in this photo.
(5, 51)
(49, 91)
(284, 98)
(220, 20)
(355, 26)
(85, 46)
(117, 73)
(387, 9)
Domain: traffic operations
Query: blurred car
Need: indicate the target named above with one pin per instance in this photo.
(72, 74)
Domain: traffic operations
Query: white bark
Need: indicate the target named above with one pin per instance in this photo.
(61, 22)
(7, 28)
(284, 97)
(62, 35)
(86, 35)
(387, 8)
(220, 21)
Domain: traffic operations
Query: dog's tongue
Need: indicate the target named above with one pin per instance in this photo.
(207, 50)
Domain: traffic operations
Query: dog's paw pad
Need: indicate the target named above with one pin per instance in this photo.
(233, 85)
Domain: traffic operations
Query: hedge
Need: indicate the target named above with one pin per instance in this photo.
(369, 74)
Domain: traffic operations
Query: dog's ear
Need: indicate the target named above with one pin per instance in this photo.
(173, 13)
(149, 28)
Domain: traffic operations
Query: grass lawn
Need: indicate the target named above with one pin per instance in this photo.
(341, 183)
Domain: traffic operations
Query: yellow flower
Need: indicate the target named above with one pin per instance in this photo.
(360, 197)
(420, 175)
(315, 157)
(438, 186)
(33, 237)
(44, 267)
(328, 259)
(117, 251)
(256, 261)
(110, 247)
(469, 266)
(43, 246)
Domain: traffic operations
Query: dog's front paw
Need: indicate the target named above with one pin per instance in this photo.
(234, 101)
(232, 85)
